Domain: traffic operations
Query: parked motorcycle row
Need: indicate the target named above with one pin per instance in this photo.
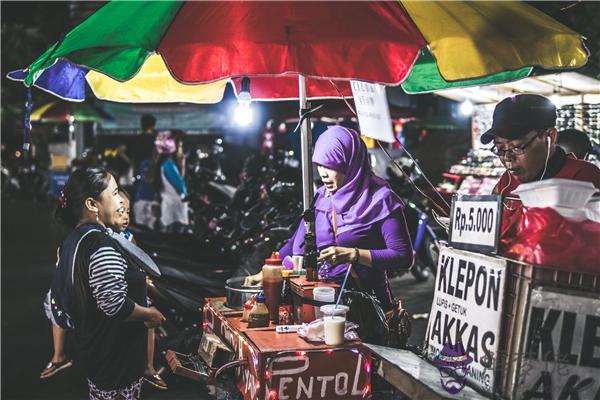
(23, 179)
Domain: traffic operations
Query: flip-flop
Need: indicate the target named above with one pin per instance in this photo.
(156, 381)
(52, 368)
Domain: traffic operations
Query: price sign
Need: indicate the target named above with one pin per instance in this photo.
(475, 223)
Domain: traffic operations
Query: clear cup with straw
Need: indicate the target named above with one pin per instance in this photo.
(334, 317)
(334, 323)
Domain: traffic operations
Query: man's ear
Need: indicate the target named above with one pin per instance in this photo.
(91, 205)
(553, 135)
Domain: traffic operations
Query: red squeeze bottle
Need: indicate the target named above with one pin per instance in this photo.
(272, 284)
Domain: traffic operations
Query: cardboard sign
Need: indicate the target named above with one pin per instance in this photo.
(373, 111)
(475, 223)
(561, 355)
(467, 309)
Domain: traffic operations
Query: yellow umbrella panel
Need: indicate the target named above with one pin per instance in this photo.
(154, 84)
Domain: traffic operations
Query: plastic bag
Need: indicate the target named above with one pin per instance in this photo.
(314, 331)
(544, 237)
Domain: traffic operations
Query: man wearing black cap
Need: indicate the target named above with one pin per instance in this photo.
(524, 135)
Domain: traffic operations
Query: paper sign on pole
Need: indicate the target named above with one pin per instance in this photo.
(373, 111)
(467, 309)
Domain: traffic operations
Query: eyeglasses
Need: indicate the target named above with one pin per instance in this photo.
(515, 151)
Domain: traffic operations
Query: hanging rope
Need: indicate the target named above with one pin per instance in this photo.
(29, 102)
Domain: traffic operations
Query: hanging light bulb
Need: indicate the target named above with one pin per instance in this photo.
(243, 111)
(466, 107)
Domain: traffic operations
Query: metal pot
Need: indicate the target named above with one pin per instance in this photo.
(236, 295)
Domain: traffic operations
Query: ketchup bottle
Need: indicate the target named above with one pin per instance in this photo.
(272, 283)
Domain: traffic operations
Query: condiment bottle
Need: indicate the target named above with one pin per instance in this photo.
(259, 315)
(272, 283)
(285, 305)
(247, 307)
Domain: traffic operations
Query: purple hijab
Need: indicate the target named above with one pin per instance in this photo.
(364, 198)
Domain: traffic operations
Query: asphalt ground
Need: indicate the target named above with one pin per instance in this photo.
(29, 238)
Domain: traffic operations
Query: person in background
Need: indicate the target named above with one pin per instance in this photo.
(525, 138)
(102, 293)
(146, 203)
(576, 142)
(359, 220)
(144, 147)
(169, 183)
(179, 135)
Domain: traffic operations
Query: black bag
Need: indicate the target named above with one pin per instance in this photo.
(399, 325)
(390, 329)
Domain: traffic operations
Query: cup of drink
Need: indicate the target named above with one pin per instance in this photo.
(297, 262)
(324, 294)
(334, 323)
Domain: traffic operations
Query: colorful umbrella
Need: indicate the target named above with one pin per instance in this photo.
(303, 49)
(64, 111)
(160, 48)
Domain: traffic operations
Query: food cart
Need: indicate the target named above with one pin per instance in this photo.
(268, 363)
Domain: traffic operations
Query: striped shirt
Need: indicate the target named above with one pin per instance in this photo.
(107, 286)
(107, 279)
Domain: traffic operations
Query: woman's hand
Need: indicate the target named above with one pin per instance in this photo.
(254, 280)
(154, 318)
(335, 255)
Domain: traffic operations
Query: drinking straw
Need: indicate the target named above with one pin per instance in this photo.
(343, 286)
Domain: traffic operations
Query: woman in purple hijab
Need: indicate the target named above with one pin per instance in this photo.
(359, 220)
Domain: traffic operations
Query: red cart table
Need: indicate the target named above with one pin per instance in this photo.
(284, 366)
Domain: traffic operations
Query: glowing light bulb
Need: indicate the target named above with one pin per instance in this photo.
(466, 107)
(243, 113)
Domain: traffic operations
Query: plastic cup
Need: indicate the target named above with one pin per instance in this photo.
(334, 323)
(297, 262)
(325, 294)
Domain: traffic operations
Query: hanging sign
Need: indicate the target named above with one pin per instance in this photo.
(475, 223)
(464, 323)
(373, 111)
(561, 355)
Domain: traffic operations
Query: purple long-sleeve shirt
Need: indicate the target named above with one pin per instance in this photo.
(388, 241)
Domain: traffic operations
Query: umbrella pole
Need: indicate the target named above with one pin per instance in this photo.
(306, 143)
(310, 243)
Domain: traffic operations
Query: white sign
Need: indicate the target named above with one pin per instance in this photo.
(467, 309)
(561, 355)
(373, 111)
(475, 223)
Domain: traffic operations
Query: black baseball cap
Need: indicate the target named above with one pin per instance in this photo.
(518, 115)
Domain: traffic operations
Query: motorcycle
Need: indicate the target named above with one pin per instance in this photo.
(419, 212)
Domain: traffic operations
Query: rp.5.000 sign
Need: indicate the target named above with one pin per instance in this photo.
(475, 223)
